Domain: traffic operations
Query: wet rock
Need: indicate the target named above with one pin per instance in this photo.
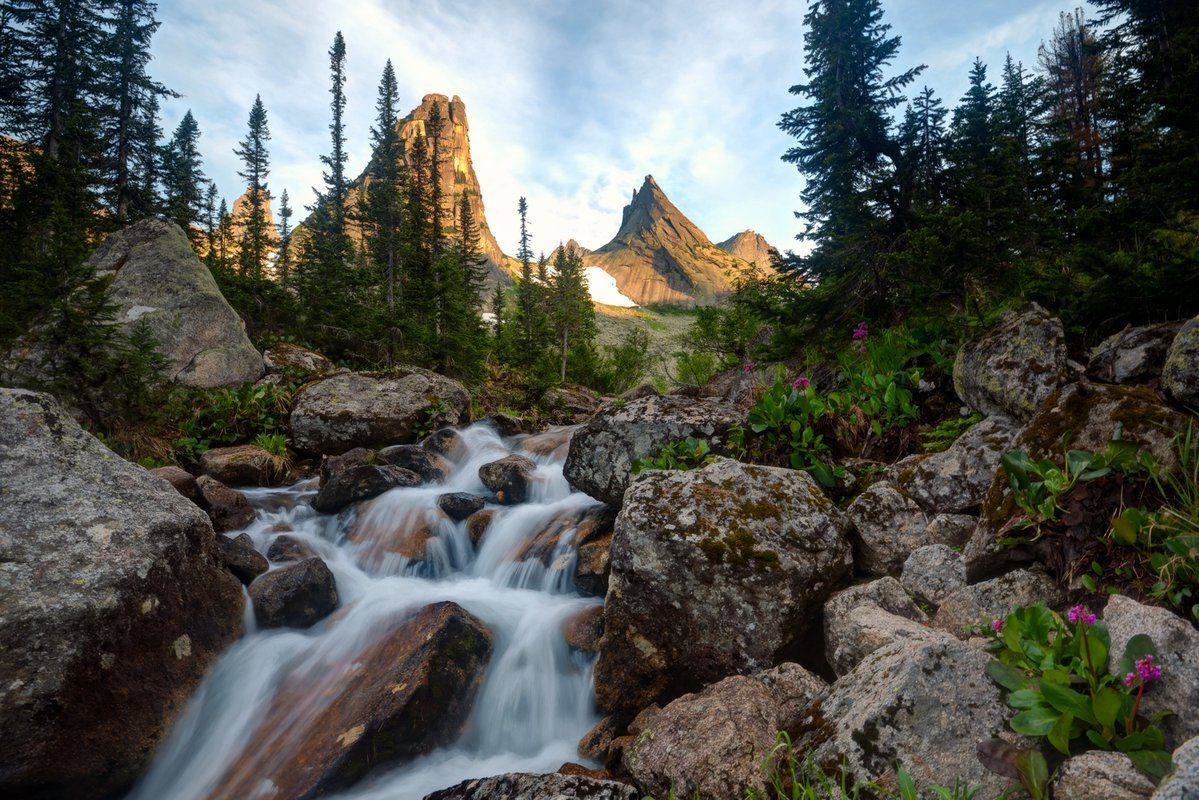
(714, 742)
(363, 482)
(288, 357)
(382, 535)
(980, 603)
(183, 482)
(577, 526)
(348, 409)
(593, 565)
(1183, 782)
(596, 744)
(239, 557)
(228, 508)
(552, 443)
(477, 525)
(432, 467)
(334, 465)
(407, 691)
(924, 703)
(1134, 355)
(1015, 366)
(510, 479)
(715, 571)
(447, 443)
(602, 452)
(298, 595)
(1096, 775)
(244, 465)
(508, 424)
(113, 606)
(933, 573)
(956, 479)
(1180, 375)
(288, 548)
(582, 631)
(460, 505)
(570, 405)
(1178, 654)
(530, 786)
(571, 768)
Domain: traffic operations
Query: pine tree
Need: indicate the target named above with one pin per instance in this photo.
(572, 314)
(474, 264)
(336, 183)
(381, 210)
(924, 139)
(525, 343)
(183, 179)
(255, 244)
(283, 263)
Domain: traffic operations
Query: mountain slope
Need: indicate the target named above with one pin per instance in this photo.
(751, 247)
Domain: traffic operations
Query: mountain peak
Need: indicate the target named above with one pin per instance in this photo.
(651, 212)
(751, 247)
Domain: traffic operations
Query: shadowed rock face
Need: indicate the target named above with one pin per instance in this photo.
(660, 256)
(752, 248)
(527, 786)
(112, 606)
(407, 691)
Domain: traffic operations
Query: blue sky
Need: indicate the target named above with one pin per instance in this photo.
(570, 103)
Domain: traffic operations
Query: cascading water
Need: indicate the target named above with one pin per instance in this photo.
(536, 701)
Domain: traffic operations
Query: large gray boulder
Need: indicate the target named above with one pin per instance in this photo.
(350, 409)
(715, 741)
(1015, 366)
(1180, 375)
(715, 572)
(113, 605)
(1134, 355)
(602, 452)
(978, 604)
(1183, 782)
(956, 479)
(532, 786)
(158, 278)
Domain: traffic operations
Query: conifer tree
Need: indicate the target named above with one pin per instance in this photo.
(183, 179)
(255, 244)
(571, 314)
(525, 343)
(283, 264)
(474, 264)
(381, 210)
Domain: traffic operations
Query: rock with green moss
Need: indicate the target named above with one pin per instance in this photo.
(1097, 775)
(1180, 375)
(1015, 366)
(714, 572)
(1134, 355)
(978, 604)
(956, 479)
(714, 741)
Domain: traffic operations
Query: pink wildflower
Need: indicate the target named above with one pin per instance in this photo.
(861, 331)
(997, 625)
(748, 366)
(801, 383)
(1147, 670)
(1081, 614)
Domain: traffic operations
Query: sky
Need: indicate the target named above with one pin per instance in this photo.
(570, 102)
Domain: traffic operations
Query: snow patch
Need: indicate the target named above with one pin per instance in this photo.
(602, 288)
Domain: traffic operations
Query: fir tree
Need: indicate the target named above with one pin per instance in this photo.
(183, 179)
(283, 263)
(255, 242)
(572, 314)
(381, 211)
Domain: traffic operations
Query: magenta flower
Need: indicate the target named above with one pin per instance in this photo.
(748, 366)
(1081, 614)
(1147, 670)
(801, 383)
(997, 625)
(861, 331)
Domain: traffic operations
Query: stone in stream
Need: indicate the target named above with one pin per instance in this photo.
(581, 526)
(362, 482)
(407, 691)
(295, 596)
(477, 525)
(446, 442)
(240, 557)
(510, 478)
(243, 465)
(228, 508)
(288, 548)
(432, 467)
(532, 786)
(582, 631)
(184, 483)
(113, 607)
(460, 505)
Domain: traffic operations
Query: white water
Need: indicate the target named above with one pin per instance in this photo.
(536, 701)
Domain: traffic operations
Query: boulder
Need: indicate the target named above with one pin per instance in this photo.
(885, 593)
(477, 525)
(446, 442)
(113, 606)
(407, 690)
(363, 482)
(532, 786)
(1180, 375)
(886, 528)
(602, 452)
(715, 571)
(508, 424)
(347, 409)
(956, 479)
(432, 467)
(298, 595)
(183, 482)
(582, 631)
(241, 558)
(510, 479)
(1099, 775)
(1015, 366)
(460, 505)
(228, 508)
(243, 465)
(863, 629)
(922, 703)
(714, 742)
(1134, 355)
(287, 357)
(579, 527)
(1178, 655)
(334, 465)
(979, 604)
(1183, 782)
(288, 548)
(569, 405)
(934, 572)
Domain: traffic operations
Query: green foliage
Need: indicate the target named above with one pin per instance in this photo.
(1057, 675)
(947, 432)
(622, 366)
(689, 453)
(209, 418)
(879, 386)
(785, 420)
(273, 443)
(695, 368)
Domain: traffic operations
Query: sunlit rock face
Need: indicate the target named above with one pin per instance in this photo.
(751, 247)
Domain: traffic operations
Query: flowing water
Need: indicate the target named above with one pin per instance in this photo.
(536, 700)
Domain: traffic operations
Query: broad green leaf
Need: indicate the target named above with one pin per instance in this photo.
(1066, 700)
(1131, 742)
(1106, 706)
(1025, 699)
(1036, 721)
(1007, 676)
(1157, 764)
(1138, 647)
(1059, 737)
(1098, 740)
(1034, 772)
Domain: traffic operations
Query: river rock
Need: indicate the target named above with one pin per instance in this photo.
(887, 528)
(298, 595)
(348, 409)
(1183, 782)
(446, 442)
(432, 467)
(1178, 655)
(593, 565)
(934, 572)
(508, 424)
(714, 742)
(113, 606)
(408, 690)
(957, 478)
(243, 465)
(288, 548)
(979, 604)
(239, 557)
(359, 483)
(460, 505)
(183, 482)
(334, 465)
(602, 452)
(1180, 375)
(579, 526)
(582, 631)
(1097, 775)
(477, 525)
(531, 786)
(554, 443)
(1134, 355)
(228, 508)
(569, 405)
(923, 703)
(715, 571)
(1015, 366)
(510, 479)
(287, 357)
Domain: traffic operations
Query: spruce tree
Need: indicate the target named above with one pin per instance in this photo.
(283, 263)
(255, 242)
(572, 315)
(183, 179)
(381, 210)
(525, 343)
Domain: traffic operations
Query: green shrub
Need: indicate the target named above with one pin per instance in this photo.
(784, 421)
(220, 417)
(947, 432)
(688, 453)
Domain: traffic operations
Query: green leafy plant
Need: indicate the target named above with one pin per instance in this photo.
(879, 384)
(1057, 674)
(209, 418)
(947, 432)
(688, 453)
(785, 419)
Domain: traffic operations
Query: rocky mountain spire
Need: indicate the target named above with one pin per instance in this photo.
(751, 247)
